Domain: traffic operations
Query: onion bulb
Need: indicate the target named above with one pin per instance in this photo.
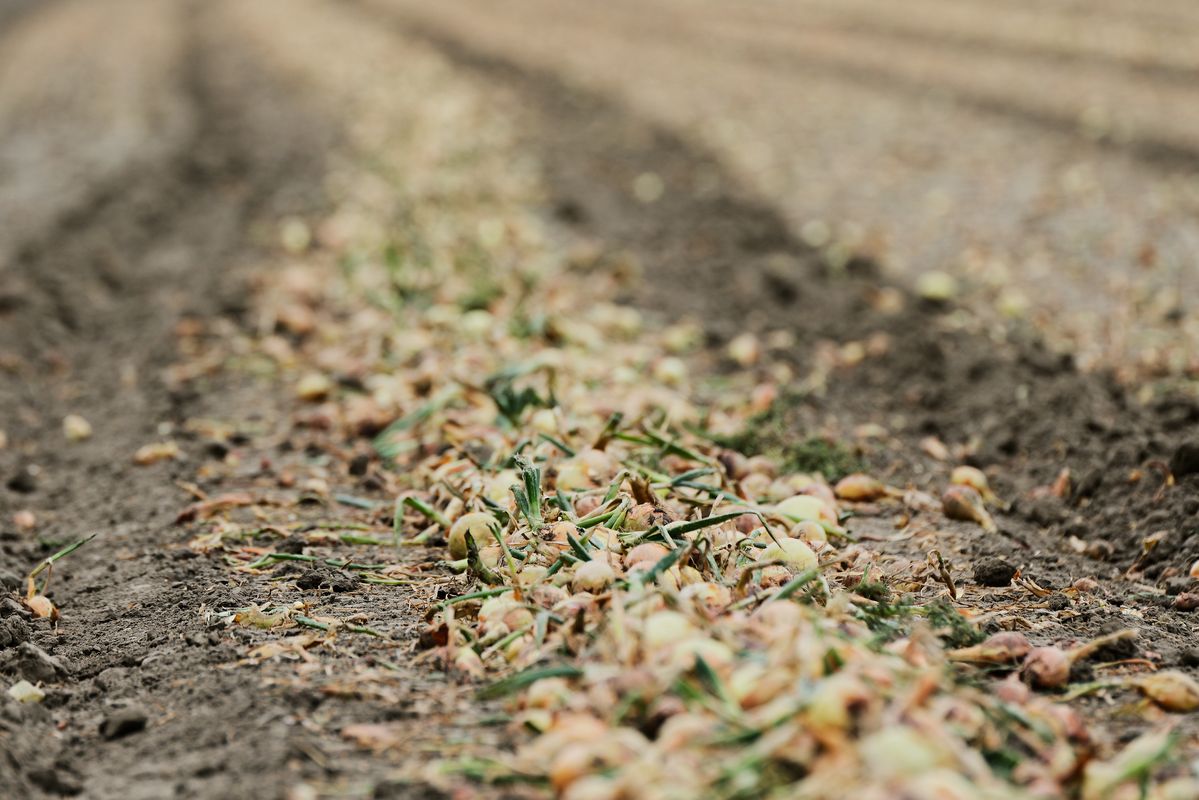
(976, 479)
(966, 504)
(803, 507)
(593, 576)
(479, 524)
(1001, 648)
(791, 552)
(1171, 689)
(859, 488)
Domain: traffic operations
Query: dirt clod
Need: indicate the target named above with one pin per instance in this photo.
(123, 722)
(36, 665)
(994, 572)
(327, 579)
(1185, 460)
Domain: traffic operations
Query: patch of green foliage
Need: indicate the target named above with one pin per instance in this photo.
(772, 434)
(890, 620)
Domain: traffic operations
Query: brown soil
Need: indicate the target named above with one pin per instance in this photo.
(87, 315)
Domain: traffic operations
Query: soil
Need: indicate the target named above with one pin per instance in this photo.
(148, 699)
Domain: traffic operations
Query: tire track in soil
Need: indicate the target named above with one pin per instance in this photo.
(92, 336)
(719, 254)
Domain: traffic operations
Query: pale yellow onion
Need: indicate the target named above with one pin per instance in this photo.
(498, 487)
(810, 532)
(594, 787)
(479, 524)
(859, 488)
(1171, 689)
(899, 751)
(670, 371)
(792, 552)
(975, 478)
(544, 420)
(802, 507)
(711, 595)
(75, 428)
(532, 574)
(572, 476)
(494, 608)
(714, 653)
(664, 628)
(547, 693)
(832, 701)
(593, 576)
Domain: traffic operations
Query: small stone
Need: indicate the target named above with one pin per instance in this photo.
(1058, 602)
(24, 480)
(993, 572)
(123, 722)
(316, 579)
(1185, 460)
(37, 666)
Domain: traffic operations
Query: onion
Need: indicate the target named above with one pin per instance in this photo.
(593, 576)
(1012, 690)
(1002, 648)
(898, 751)
(670, 371)
(314, 387)
(76, 428)
(1047, 667)
(547, 693)
(544, 420)
(976, 479)
(792, 552)
(1171, 689)
(665, 628)
(810, 532)
(833, 701)
(966, 504)
(859, 487)
(646, 552)
(803, 507)
(572, 476)
(479, 524)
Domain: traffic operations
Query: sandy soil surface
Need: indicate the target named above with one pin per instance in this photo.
(139, 169)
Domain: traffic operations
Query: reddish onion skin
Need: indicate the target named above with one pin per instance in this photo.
(1047, 667)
